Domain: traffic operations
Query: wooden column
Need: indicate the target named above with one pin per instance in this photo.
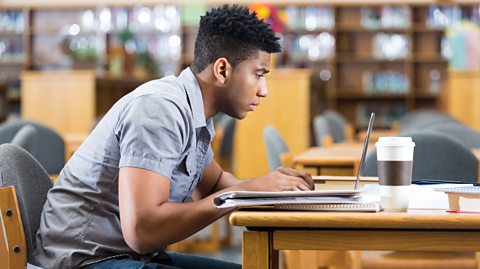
(62, 100)
(463, 100)
(286, 108)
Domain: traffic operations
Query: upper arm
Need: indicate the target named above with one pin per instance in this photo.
(151, 134)
(140, 191)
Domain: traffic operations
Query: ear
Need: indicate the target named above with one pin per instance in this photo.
(222, 70)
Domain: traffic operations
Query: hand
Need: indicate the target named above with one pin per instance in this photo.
(282, 179)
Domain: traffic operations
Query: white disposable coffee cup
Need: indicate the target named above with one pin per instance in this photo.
(395, 164)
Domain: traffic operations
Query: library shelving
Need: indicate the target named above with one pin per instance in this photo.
(364, 56)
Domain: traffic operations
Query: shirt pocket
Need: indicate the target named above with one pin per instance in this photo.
(191, 164)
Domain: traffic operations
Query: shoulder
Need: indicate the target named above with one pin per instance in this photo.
(168, 87)
(166, 95)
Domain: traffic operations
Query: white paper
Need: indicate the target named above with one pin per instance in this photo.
(244, 199)
(425, 197)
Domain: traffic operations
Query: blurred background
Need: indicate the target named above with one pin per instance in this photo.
(63, 64)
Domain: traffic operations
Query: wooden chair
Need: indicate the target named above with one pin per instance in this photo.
(13, 246)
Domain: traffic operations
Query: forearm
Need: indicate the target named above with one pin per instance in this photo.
(227, 180)
(172, 222)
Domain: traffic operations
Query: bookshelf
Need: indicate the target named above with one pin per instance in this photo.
(64, 37)
(388, 59)
(364, 56)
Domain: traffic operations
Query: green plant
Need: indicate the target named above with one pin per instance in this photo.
(86, 54)
(125, 35)
(146, 61)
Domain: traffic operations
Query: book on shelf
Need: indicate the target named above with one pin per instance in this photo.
(463, 199)
(323, 200)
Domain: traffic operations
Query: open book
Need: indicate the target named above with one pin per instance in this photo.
(324, 200)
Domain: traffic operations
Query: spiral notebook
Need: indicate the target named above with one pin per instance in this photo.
(331, 200)
(358, 207)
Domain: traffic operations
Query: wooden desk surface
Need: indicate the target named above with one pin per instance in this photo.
(342, 159)
(413, 219)
(342, 153)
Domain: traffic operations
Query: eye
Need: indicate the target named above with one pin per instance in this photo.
(260, 75)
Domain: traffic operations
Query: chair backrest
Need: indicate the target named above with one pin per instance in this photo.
(462, 133)
(275, 146)
(20, 169)
(227, 123)
(222, 144)
(436, 156)
(423, 118)
(26, 138)
(322, 131)
(337, 124)
(50, 150)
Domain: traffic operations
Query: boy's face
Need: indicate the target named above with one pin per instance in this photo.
(246, 86)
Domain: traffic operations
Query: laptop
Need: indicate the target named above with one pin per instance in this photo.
(362, 161)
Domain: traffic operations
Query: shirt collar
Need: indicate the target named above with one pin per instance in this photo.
(194, 93)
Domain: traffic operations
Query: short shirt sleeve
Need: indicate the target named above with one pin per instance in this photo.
(151, 133)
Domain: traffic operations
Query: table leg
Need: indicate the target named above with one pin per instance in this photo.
(257, 250)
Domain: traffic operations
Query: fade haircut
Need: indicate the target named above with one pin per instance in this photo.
(234, 33)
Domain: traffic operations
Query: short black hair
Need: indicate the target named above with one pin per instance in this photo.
(232, 32)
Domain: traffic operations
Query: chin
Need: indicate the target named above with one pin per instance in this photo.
(241, 116)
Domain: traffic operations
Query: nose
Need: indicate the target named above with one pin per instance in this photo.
(263, 89)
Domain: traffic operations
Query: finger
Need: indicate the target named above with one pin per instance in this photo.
(305, 176)
(287, 171)
(297, 181)
(302, 187)
(308, 178)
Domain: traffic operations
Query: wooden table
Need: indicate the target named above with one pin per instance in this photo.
(339, 159)
(341, 182)
(419, 230)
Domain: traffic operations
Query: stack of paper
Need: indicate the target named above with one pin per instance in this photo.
(325, 200)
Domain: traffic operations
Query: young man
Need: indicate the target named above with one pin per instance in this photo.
(124, 195)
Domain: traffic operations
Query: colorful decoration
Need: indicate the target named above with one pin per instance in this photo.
(276, 18)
